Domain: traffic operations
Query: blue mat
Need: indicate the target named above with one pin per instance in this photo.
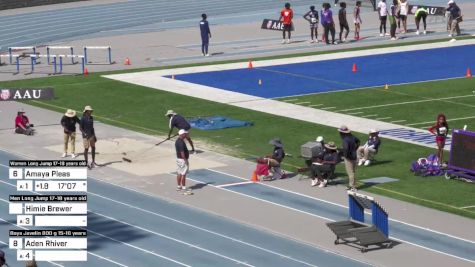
(216, 123)
(334, 75)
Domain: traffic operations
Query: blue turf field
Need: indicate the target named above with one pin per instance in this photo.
(333, 75)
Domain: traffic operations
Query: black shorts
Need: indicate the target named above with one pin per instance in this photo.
(287, 27)
(403, 17)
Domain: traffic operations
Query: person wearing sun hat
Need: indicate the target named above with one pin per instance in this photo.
(274, 160)
(68, 121)
(179, 122)
(183, 165)
(350, 144)
(369, 149)
(323, 167)
(86, 125)
(22, 124)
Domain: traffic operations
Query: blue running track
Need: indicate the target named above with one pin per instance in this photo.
(335, 75)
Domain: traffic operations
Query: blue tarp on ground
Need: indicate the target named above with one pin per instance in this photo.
(216, 123)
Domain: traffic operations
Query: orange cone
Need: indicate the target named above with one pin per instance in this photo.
(254, 177)
(469, 73)
(355, 68)
(127, 61)
(249, 66)
(86, 72)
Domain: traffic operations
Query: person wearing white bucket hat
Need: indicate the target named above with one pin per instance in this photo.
(369, 149)
(88, 135)
(68, 121)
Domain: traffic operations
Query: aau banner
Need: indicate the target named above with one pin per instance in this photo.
(433, 10)
(8, 94)
(273, 24)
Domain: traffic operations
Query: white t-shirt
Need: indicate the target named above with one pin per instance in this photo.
(404, 8)
(383, 11)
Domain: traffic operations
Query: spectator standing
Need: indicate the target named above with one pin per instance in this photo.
(392, 20)
(312, 17)
(286, 16)
(183, 166)
(179, 122)
(421, 13)
(68, 121)
(456, 17)
(369, 149)
(328, 23)
(440, 129)
(357, 19)
(205, 35)
(403, 12)
(343, 22)
(350, 145)
(383, 16)
(86, 125)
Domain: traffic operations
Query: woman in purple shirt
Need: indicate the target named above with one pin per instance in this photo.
(327, 22)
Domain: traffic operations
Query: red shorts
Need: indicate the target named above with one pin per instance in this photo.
(440, 139)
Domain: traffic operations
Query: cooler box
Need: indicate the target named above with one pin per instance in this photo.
(310, 149)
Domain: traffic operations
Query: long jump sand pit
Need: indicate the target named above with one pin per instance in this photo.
(147, 159)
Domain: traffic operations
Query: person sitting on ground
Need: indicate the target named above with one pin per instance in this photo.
(323, 167)
(179, 122)
(3, 262)
(22, 124)
(369, 149)
(274, 160)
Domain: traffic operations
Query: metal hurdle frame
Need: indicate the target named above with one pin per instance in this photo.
(11, 49)
(109, 50)
(12, 56)
(49, 48)
(379, 216)
(34, 58)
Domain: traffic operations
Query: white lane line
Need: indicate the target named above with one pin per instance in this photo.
(327, 108)
(370, 115)
(316, 105)
(110, 238)
(343, 206)
(468, 207)
(197, 227)
(290, 100)
(428, 122)
(233, 184)
(397, 121)
(174, 239)
(408, 102)
(354, 113)
(383, 118)
(328, 219)
(302, 103)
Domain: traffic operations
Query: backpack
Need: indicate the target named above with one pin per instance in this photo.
(427, 166)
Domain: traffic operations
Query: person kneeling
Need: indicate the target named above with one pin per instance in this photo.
(274, 161)
(370, 148)
(22, 124)
(323, 167)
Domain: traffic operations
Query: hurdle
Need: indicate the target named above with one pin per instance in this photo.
(356, 231)
(12, 56)
(109, 50)
(50, 48)
(11, 49)
(35, 57)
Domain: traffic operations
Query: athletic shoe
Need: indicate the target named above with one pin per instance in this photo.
(193, 152)
(360, 162)
(367, 162)
(344, 40)
(425, 32)
(450, 35)
(207, 55)
(452, 40)
(323, 184)
(381, 35)
(316, 41)
(335, 43)
(417, 32)
(183, 188)
(353, 189)
(393, 39)
(288, 41)
(204, 54)
(73, 155)
(314, 182)
(178, 188)
(387, 34)
(64, 155)
(283, 41)
(311, 41)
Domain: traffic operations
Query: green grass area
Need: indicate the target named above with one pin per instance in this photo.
(417, 104)
(142, 109)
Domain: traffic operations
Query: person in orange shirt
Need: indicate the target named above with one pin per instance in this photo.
(286, 16)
